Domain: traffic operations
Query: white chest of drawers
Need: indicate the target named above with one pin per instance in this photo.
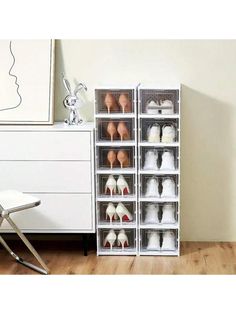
(55, 163)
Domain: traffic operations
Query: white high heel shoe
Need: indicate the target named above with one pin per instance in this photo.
(122, 239)
(168, 161)
(111, 212)
(168, 214)
(168, 106)
(122, 185)
(152, 188)
(168, 188)
(168, 243)
(150, 162)
(151, 214)
(110, 239)
(110, 185)
(168, 134)
(153, 133)
(152, 107)
(153, 241)
(123, 213)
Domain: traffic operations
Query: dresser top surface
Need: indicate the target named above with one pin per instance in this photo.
(57, 126)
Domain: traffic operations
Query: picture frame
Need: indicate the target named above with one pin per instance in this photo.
(27, 81)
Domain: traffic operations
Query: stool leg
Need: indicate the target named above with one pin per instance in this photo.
(45, 269)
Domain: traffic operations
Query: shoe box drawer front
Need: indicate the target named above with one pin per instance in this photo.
(45, 146)
(68, 212)
(46, 176)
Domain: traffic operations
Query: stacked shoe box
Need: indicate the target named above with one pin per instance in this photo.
(159, 170)
(116, 170)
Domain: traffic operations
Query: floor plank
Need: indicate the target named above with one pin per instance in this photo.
(196, 258)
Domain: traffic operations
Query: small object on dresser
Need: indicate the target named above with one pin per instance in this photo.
(73, 102)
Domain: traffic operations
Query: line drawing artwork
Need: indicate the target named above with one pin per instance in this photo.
(16, 80)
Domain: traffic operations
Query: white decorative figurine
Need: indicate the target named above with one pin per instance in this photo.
(73, 102)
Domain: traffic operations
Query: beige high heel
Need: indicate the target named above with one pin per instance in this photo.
(123, 131)
(110, 102)
(111, 130)
(111, 157)
(125, 103)
(123, 158)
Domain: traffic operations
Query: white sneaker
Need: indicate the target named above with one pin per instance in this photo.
(153, 241)
(152, 188)
(150, 162)
(153, 133)
(168, 243)
(151, 214)
(168, 214)
(169, 106)
(152, 107)
(168, 188)
(168, 161)
(168, 134)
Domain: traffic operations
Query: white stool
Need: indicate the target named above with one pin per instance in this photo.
(13, 201)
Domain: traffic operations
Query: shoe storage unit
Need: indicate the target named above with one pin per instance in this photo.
(116, 170)
(159, 170)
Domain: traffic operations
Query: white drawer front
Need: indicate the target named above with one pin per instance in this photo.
(46, 176)
(45, 146)
(60, 212)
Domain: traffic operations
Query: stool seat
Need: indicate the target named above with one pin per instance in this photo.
(13, 201)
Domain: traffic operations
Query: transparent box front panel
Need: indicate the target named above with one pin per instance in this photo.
(159, 131)
(116, 185)
(116, 213)
(120, 240)
(115, 158)
(159, 240)
(153, 158)
(158, 213)
(159, 186)
(114, 100)
(115, 130)
(163, 101)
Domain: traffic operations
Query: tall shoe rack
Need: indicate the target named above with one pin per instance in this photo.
(104, 144)
(145, 120)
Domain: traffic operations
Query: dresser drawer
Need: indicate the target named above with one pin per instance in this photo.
(46, 176)
(45, 145)
(57, 212)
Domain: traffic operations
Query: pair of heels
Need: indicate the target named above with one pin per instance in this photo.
(164, 107)
(154, 133)
(111, 238)
(151, 160)
(168, 187)
(121, 156)
(112, 105)
(121, 185)
(152, 214)
(168, 241)
(121, 129)
(119, 211)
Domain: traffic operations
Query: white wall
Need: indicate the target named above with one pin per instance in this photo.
(207, 72)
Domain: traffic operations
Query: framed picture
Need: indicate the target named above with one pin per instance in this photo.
(26, 81)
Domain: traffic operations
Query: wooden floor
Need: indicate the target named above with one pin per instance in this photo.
(196, 258)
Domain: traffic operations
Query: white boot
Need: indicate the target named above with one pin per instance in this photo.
(169, 106)
(168, 243)
(150, 162)
(168, 214)
(153, 133)
(152, 107)
(168, 161)
(152, 188)
(151, 214)
(153, 241)
(168, 188)
(168, 134)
